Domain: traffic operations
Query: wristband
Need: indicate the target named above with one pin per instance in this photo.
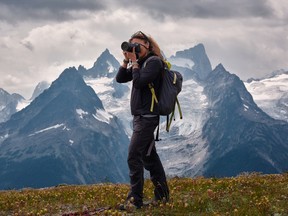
(134, 64)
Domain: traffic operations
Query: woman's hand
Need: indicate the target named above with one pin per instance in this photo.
(130, 55)
(125, 54)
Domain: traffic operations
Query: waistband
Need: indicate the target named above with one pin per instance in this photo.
(147, 115)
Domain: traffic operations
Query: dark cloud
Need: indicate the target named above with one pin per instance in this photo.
(54, 4)
(46, 9)
(65, 9)
(28, 45)
(204, 9)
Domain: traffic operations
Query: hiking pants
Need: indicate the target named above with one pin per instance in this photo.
(139, 158)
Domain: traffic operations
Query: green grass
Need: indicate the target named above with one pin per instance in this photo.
(250, 194)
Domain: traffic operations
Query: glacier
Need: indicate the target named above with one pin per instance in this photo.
(271, 95)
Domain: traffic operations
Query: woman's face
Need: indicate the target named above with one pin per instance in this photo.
(144, 46)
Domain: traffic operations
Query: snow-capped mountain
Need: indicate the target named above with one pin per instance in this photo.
(229, 133)
(193, 62)
(8, 104)
(69, 129)
(114, 96)
(188, 149)
(39, 89)
(64, 136)
(105, 66)
(271, 94)
(241, 137)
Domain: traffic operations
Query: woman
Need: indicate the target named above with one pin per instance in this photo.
(142, 152)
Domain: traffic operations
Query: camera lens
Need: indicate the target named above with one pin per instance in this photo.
(125, 46)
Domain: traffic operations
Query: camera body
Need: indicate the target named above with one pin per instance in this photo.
(128, 47)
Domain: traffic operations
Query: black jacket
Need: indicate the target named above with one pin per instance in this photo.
(141, 96)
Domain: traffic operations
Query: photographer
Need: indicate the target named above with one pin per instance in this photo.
(142, 152)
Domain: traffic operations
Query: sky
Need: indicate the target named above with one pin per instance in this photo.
(40, 38)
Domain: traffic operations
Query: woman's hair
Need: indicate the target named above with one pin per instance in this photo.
(153, 45)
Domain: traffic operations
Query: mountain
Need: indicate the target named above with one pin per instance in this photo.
(241, 137)
(8, 104)
(105, 66)
(220, 122)
(114, 96)
(105, 69)
(223, 132)
(271, 94)
(193, 62)
(64, 136)
(39, 89)
(69, 132)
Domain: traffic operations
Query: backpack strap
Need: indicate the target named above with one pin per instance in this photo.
(154, 98)
(150, 85)
(157, 132)
(179, 108)
(169, 121)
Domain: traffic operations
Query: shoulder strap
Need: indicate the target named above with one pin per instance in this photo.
(150, 85)
(154, 98)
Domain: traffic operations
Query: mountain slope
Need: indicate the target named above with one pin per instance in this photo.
(114, 96)
(241, 136)
(39, 89)
(63, 136)
(8, 104)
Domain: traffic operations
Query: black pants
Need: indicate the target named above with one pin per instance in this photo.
(141, 140)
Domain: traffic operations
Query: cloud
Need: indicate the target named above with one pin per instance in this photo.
(39, 39)
(14, 10)
(11, 80)
(218, 9)
(28, 45)
(75, 9)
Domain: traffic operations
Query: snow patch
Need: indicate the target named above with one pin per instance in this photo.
(81, 113)
(100, 85)
(22, 104)
(103, 116)
(111, 69)
(182, 62)
(4, 137)
(71, 142)
(66, 128)
(246, 107)
(46, 129)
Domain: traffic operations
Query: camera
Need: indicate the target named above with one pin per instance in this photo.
(128, 47)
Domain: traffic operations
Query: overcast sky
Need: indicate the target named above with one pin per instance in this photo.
(40, 38)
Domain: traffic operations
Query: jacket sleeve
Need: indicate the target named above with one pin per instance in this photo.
(124, 75)
(142, 77)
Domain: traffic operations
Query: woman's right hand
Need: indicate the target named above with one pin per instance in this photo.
(126, 55)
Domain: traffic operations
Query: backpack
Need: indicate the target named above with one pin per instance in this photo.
(170, 87)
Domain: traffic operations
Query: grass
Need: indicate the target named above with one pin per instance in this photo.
(247, 194)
